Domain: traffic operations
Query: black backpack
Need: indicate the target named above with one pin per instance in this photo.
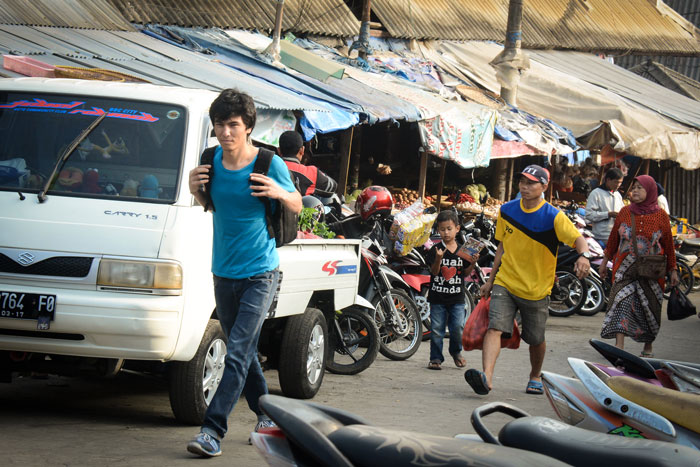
(283, 223)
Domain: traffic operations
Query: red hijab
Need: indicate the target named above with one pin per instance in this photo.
(650, 204)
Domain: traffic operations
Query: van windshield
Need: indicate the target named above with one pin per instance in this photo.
(134, 154)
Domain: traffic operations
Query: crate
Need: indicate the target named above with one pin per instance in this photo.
(28, 66)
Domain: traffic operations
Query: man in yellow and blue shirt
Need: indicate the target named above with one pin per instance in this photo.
(529, 230)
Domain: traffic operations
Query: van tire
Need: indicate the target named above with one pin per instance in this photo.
(303, 354)
(186, 379)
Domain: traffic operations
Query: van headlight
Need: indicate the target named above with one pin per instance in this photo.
(139, 274)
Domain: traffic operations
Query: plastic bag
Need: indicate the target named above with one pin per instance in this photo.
(679, 307)
(477, 325)
(411, 228)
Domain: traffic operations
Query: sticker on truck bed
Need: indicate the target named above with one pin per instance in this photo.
(333, 267)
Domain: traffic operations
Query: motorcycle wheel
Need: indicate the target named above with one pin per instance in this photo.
(567, 295)
(686, 278)
(595, 298)
(421, 300)
(696, 276)
(402, 341)
(353, 343)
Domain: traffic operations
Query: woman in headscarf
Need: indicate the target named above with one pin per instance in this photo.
(634, 306)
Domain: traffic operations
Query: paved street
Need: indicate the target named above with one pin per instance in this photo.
(127, 421)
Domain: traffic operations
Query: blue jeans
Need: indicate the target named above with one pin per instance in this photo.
(241, 305)
(451, 315)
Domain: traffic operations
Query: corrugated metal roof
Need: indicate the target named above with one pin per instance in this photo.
(85, 14)
(137, 54)
(632, 26)
(668, 78)
(327, 17)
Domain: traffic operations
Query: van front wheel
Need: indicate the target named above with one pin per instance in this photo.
(193, 383)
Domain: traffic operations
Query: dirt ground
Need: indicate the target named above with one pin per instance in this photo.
(127, 421)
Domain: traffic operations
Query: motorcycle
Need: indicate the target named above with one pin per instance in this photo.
(395, 312)
(644, 406)
(309, 434)
(353, 339)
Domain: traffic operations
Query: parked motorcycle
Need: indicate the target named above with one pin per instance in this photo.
(309, 434)
(605, 399)
(395, 312)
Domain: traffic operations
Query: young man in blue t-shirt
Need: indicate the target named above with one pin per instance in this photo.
(244, 258)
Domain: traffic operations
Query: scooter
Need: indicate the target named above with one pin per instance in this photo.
(639, 407)
(309, 434)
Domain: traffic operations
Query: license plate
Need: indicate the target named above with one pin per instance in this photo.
(26, 305)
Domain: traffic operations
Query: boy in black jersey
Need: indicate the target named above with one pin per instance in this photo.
(446, 296)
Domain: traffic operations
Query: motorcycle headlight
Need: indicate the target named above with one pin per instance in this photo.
(139, 274)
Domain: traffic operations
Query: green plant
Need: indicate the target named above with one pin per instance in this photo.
(309, 223)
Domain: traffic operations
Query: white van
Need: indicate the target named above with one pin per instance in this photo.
(108, 265)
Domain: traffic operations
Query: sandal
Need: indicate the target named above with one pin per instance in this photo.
(477, 380)
(534, 387)
(460, 361)
(434, 365)
(646, 354)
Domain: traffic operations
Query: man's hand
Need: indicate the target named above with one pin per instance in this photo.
(582, 267)
(485, 289)
(603, 269)
(198, 177)
(612, 214)
(263, 185)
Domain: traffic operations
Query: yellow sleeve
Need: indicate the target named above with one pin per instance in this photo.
(565, 230)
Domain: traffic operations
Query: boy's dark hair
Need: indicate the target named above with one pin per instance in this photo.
(232, 103)
(290, 143)
(613, 174)
(448, 215)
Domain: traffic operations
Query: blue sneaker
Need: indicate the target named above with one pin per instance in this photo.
(205, 445)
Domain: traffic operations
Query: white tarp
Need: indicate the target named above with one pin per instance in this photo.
(597, 116)
(455, 130)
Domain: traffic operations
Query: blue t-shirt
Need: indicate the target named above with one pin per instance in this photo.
(242, 246)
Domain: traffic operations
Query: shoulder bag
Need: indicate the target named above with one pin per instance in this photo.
(648, 266)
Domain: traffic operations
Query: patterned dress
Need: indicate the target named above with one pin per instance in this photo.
(634, 305)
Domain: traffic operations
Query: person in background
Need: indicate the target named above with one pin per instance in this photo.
(308, 179)
(634, 307)
(663, 202)
(603, 204)
(523, 273)
(245, 263)
(448, 271)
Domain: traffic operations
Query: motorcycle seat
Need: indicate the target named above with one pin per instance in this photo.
(367, 446)
(692, 242)
(578, 446)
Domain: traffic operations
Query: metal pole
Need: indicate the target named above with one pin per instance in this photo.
(362, 42)
(509, 64)
(273, 50)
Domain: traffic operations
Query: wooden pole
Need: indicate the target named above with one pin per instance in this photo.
(441, 182)
(345, 151)
(423, 174)
(509, 180)
(548, 195)
(647, 163)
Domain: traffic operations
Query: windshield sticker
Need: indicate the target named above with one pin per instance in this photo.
(40, 105)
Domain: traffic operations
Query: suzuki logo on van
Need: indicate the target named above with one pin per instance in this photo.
(25, 259)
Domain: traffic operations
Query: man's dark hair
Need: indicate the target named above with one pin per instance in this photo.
(448, 215)
(290, 143)
(232, 103)
(613, 174)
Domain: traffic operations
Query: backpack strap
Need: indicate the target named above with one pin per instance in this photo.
(262, 166)
(207, 158)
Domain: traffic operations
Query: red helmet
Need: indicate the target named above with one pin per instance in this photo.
(374, 200)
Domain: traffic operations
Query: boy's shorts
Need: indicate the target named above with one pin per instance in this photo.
(533, 313)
